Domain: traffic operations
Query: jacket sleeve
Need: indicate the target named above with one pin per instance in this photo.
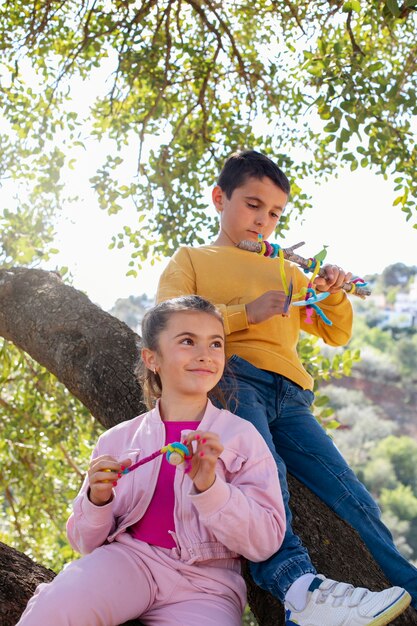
(336, 307)
(179, 279)
(247, 514)
(89, 525)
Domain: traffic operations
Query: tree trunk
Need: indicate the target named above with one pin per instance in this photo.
(94, 355)
(91, 352)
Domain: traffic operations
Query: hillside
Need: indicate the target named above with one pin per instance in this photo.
(392, 400)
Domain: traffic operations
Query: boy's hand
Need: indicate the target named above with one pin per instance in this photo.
(103, 473)
(334, 279)
(268, 304)
(204, 457)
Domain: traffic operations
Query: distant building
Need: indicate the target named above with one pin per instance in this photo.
(406, 303)
(397, 319)
(403, 314)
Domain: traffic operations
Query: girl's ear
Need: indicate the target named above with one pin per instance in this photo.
(149, 358)
(217, 197)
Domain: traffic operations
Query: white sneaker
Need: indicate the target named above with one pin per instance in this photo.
(338, 604)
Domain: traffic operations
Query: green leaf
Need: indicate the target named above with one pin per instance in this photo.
(393, 7)
(352, 5)
(374, 67)
(332, 424)
(344, 135)
(332, 127)
(321, 400)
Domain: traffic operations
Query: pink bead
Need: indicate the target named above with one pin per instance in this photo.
(309, 313)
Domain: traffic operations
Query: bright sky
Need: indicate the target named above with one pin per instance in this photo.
(352, 214)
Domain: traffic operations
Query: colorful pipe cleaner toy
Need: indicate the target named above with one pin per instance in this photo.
(310, 296)
(176, 453)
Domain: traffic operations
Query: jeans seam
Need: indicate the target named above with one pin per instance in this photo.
(346, 493)
(282, 400)
(364, 508)
(329, 469)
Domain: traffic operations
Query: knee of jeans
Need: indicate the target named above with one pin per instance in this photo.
(354, 490)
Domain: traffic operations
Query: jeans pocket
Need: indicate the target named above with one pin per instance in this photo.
(303, 396)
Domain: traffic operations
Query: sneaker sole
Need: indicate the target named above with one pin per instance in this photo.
(394, 611)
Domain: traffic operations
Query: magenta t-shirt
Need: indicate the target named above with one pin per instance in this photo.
(159, 517)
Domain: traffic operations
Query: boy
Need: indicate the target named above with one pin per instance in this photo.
(273, 391)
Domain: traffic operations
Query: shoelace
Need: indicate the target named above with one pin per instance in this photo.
(341, 593)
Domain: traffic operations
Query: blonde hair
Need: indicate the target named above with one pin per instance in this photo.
(153, 323)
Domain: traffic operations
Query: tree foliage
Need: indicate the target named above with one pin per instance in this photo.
(46, 436)
(182, 83)
(397, 274)
(377, 421)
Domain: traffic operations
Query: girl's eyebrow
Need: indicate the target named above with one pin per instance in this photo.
(189, 334)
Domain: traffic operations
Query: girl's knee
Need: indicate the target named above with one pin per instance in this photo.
(46, 605)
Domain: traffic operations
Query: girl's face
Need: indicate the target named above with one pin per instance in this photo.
(191, 355)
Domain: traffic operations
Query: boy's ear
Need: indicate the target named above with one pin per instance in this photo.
(217, 197)
(149, 358)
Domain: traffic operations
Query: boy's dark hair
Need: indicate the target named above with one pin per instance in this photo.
(250, 164)
(153, 323)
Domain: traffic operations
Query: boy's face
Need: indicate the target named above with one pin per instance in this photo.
(253, 209)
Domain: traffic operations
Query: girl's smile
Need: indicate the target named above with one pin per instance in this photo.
(190, 357)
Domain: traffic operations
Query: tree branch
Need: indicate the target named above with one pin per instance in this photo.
(94, 355)
(356, 48)
(74, 339)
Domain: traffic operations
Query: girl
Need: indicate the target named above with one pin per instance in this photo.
(162, 543)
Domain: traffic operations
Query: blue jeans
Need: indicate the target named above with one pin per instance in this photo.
(280, 410)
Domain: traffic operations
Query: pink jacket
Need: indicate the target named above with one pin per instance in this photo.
(241, 514)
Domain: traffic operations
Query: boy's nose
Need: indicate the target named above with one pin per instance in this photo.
(260, 219)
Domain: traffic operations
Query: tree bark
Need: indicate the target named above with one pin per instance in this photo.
(91, 352)
(94, 355)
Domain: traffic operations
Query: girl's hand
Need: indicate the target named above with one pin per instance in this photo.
(268, 304)
(103, 474)
(204, 457)
(334, 279)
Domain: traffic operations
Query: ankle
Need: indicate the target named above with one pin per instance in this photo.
(297, 594)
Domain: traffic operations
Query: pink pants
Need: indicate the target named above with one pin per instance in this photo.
(129, 579)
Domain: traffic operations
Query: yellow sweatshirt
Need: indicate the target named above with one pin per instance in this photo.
(230, 278)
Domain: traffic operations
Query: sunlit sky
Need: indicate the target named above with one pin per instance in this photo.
(352, 214)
